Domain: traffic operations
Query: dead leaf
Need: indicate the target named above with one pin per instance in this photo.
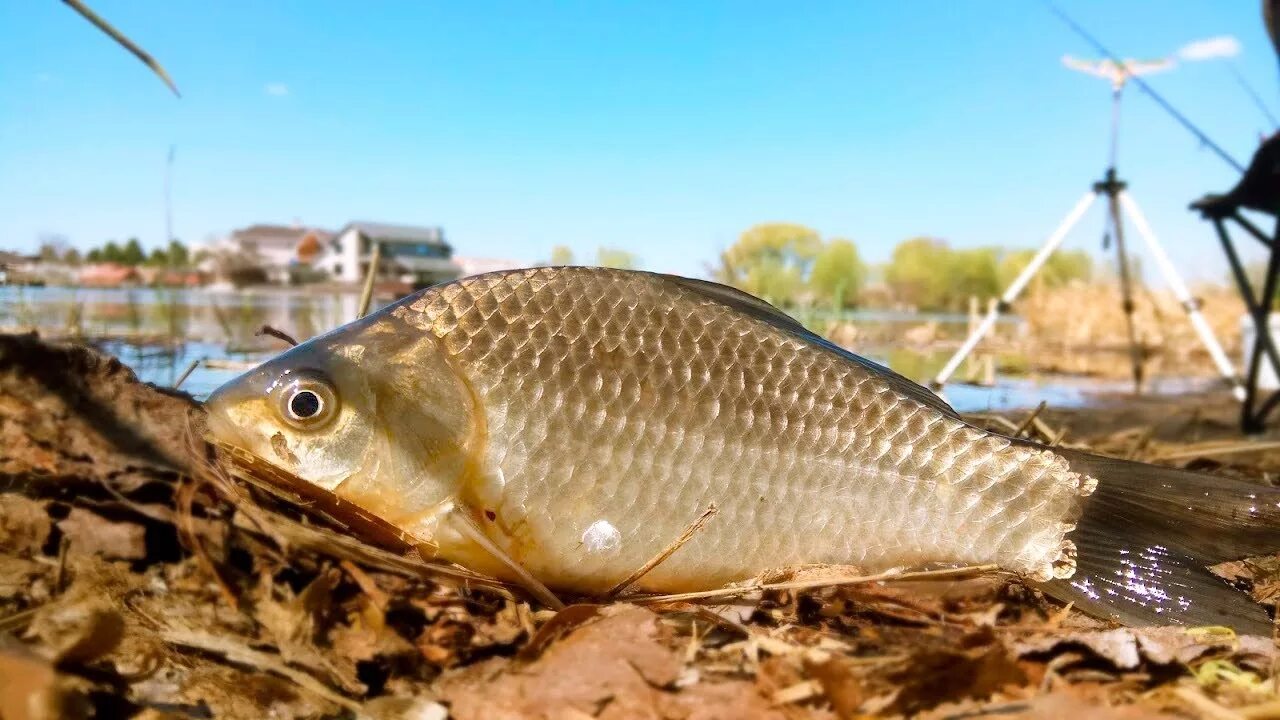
(937, 676)
(24, 525)
(91, 534)
(614, 667)
(31, 689)
(564, 622)
(842, 687)
(77, 633)
(1126, 648)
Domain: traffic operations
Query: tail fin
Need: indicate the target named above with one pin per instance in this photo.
(1147, 535)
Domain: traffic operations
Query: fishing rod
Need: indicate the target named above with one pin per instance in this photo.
(1253, 94)
(1204, 139)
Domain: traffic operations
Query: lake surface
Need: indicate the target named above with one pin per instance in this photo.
(161, 332)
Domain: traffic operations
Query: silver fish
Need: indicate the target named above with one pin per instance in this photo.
(569, 423)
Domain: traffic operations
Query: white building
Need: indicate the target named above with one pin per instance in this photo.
(418, 256)
(283, 253)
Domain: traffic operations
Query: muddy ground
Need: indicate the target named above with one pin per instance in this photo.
(136, 581)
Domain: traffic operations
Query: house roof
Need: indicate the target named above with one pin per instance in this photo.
(277, 235)
(387, 232)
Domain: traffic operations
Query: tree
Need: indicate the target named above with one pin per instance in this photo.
(1061, 268)
(112, 253)
(771, 260)
(917, 272)
(52, 247)
(971, 273)
(615, 258)
(132, 253)
(561, 255)
(158, 258)
(71, 257)
(94, 256)
(178, 254)
(838, 273)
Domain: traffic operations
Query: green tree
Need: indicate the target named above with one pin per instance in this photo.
(615, 258)
(94, 256)
(71, 257)
(112, 253)
(561, 255)
(1061, 268)
(917, 272)
(838, 273)
(132, 253)
(158, 258)
(973, 272)
(771, 260)
(179, 256)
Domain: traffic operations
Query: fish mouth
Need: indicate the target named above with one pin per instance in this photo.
(219, 427)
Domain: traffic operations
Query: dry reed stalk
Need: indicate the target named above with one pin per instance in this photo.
(666, 552)
(366, 294)
(887, 576)
(1022, 427)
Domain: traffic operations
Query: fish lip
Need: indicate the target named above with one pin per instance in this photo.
(219, 427)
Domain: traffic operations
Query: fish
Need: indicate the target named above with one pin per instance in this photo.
(565, 425)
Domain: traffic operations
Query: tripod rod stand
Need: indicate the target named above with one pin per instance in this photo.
(1119, 201)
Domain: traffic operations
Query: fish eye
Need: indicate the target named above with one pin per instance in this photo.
(307, 400)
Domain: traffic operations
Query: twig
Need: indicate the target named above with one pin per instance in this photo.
(1022, 427)
(236, 653)
(1058, 436)
(890, 575)
(463, 522)
(366, 583)
(186, 530)
(1246, 446)
(1204, 706)
(277, 334)
(366, 295)
(187, 373)
(125, 42)
(662, 556)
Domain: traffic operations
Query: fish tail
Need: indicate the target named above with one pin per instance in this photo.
(1147, 534)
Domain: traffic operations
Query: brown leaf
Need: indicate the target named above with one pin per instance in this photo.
(1126, 648)
(842, 687)
(92, 534)
(564, 622)
(24, 525)
(30, 689)
(934, 677)
(613, 667)
(78, 632)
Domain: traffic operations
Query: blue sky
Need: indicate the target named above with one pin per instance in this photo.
(662, 128)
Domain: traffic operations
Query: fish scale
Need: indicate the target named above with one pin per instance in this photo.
(644, 418)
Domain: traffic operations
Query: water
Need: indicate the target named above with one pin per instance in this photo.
(160, 332)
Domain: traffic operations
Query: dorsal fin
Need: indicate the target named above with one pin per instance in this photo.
(759, 309)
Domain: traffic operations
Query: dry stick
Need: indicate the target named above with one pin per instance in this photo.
(1231, 449)
(277, 334)
(187, 373)
(125, 42)
(1030, 418)
(366, 295)
(661, 557)
(822, 583)
(229, 649)
(526, 578)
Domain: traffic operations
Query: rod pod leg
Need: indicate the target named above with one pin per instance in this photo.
(1015, 288)
(1180, 291)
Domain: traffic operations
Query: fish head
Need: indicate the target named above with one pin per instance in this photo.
(372, 411)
